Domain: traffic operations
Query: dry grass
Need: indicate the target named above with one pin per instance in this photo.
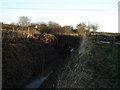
(19, 33)
(92, 66)
(48, 38)
(77, 74)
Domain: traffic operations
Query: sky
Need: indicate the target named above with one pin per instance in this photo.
(65, 12)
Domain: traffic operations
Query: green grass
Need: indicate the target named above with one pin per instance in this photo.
(89, 70)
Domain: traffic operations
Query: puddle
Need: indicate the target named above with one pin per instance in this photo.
(38, 81)
(109, 42)
(104, 42)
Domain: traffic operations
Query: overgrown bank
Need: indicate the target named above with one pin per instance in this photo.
(94, 65)
(90, 65)
(25, 59)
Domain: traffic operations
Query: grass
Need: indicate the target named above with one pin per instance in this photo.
(95, 65)
(91, 65)
(19, 33)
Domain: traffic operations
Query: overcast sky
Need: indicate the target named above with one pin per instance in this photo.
(64, 12)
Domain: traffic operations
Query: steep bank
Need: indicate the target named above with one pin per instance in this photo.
(25, 59)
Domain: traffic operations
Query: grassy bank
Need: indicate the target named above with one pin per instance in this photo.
(95, 65)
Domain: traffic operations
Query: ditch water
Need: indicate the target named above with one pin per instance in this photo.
(109, 42)
(37, 82)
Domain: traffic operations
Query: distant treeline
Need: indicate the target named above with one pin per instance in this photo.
(50, 27)
(25, 23)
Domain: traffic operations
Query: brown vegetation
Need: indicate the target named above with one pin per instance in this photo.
(24, 59)
(30, 52)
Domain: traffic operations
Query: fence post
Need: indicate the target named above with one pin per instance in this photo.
(28, 32)
(13, 29)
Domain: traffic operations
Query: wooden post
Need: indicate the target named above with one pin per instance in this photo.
(36, 28)
(13, 34)
(28, 32)
(13, 29)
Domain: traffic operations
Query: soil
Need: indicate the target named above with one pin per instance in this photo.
(24, 59)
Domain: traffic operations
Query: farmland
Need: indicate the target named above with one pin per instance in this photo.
(29, 54)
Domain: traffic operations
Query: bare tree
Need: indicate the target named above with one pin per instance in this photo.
(24, 21)
(81, 26)
(53, 25)
(94, 27)
(13, 23)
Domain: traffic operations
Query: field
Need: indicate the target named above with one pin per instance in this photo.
(91, 64)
